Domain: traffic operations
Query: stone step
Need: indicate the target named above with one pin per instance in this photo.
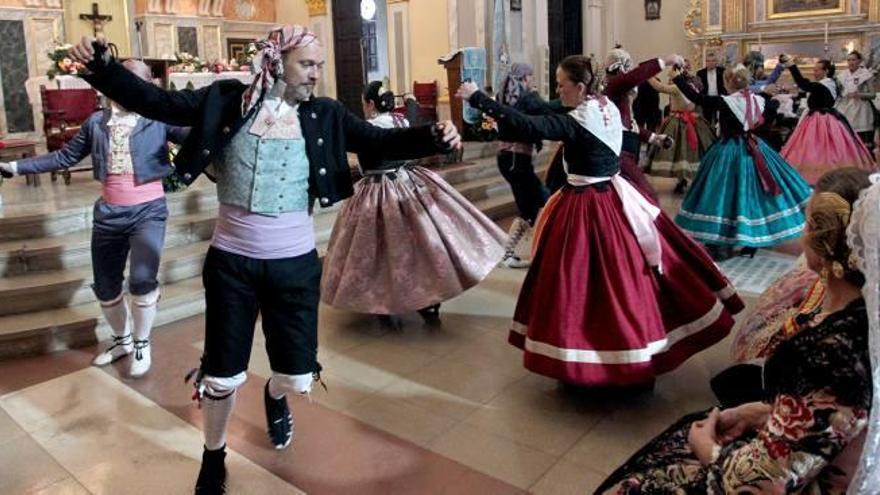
(54, 222)
(476, 180)
(41, 221)
(67, 315)
(71, 287)
(83, 324)
(72, 250)
(491, 186)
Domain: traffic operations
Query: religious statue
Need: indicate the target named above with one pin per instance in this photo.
(652, 10)
(96, 18)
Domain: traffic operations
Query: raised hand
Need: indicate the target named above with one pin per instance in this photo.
(84, 51)
(8, 170)
(466, 90)
(448, 134)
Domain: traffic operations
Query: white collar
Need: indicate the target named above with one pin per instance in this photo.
(275, 102)
(121, 116)
(738, 104)
(831, 84)
(601, 118)
(858, 77)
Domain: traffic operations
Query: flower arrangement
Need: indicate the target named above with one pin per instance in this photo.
(219, 66)
(246, 57)
(188, 63)
(486, 129)
(172, 183)
(62, 63)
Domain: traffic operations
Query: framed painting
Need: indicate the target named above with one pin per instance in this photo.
(782, 9)
(652, 10)
(237, 48)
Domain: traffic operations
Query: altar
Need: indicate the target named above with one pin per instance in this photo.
(807, 29)
(180, 80)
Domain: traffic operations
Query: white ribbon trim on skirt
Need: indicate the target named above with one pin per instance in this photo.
(640, 213)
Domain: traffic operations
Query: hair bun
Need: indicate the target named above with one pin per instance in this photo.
(385, 102)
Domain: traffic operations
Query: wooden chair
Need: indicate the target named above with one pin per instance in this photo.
(64, 111)
(426, 95)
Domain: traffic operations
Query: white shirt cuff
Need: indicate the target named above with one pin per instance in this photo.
(14, 167)
(662, 63)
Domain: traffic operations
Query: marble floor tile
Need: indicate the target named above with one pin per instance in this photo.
(27, 467)
(494, 455)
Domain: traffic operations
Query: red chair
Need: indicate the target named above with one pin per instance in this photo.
(64, 111)
(426, 95)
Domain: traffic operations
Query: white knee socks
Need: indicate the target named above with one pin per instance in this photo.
(116, 314)
(216, 414)
(143, 312)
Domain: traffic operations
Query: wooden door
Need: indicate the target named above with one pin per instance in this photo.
(349, 55)
(565, 21)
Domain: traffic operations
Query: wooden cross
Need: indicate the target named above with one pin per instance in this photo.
(96, 19)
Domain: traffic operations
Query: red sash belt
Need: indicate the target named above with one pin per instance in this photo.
(690, 120)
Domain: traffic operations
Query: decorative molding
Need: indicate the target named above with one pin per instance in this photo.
(317, 7)
(874, 10)
(734, 16)
(693, 19)
(772, 14)
(41, 33)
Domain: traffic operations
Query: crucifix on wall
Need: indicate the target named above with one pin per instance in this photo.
(97, 19)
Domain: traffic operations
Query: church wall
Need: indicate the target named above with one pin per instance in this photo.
(428, 34)
(643, 38)
(29, 31)
(116, 30)
(292, 12)
(251, 10)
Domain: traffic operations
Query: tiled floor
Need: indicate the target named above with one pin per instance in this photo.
(420, 410)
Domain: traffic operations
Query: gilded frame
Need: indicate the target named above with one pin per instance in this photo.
(773, 14)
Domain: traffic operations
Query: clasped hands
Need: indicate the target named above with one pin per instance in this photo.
(706, 437)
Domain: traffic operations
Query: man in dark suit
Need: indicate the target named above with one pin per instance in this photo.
(712, 78)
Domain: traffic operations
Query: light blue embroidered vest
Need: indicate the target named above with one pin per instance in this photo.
(266, 176)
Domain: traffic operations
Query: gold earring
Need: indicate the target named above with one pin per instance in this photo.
(837, 269)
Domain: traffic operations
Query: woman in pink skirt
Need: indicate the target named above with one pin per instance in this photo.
(616, 293)
(824, 139)
(406, 240)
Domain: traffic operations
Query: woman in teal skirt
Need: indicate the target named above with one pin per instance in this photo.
(744, 194)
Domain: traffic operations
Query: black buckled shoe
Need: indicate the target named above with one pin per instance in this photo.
(279, 421)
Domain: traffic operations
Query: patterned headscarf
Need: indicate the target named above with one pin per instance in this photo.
(268, 64)
(514, 84)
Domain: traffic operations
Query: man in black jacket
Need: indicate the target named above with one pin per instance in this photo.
(712, 78)
(273, 149)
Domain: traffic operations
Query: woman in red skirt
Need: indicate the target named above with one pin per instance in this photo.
(616, 293)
